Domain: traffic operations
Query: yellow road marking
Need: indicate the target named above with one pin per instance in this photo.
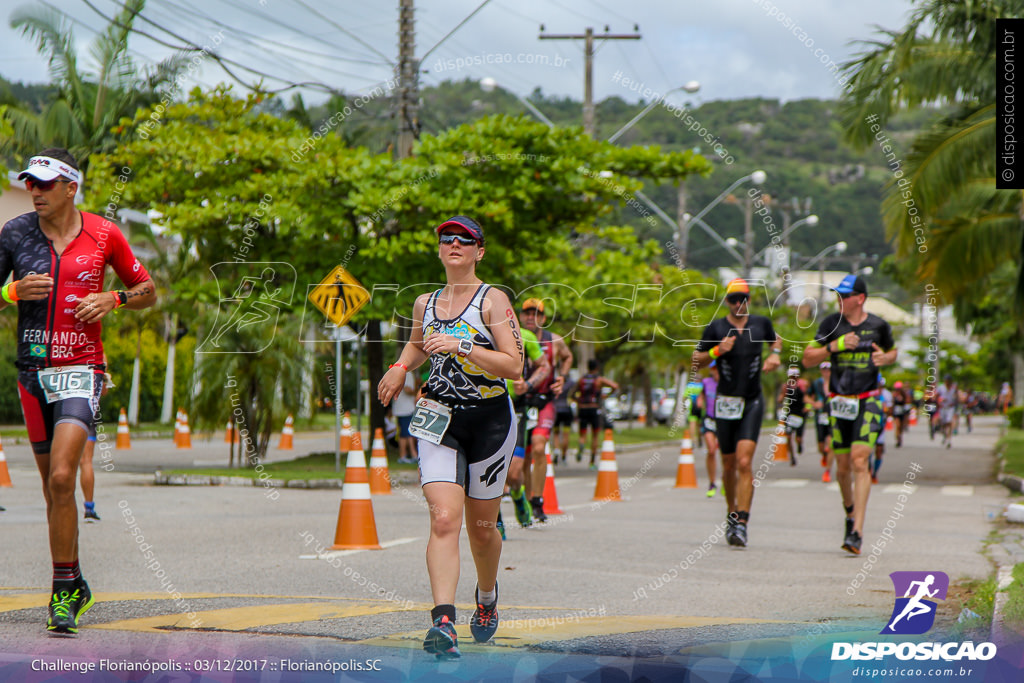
(524, 632)
(241, 618)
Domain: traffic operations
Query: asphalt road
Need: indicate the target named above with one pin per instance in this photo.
(620, 583)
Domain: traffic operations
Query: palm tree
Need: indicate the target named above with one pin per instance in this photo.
(89, 104)
(941, 206)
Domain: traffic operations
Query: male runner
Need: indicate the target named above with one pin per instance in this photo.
(947, 396)
(859, 343)
(58, 255)
(563, 421)
(901, 404)
(736, 343)
(708, 392)
(536, 369)
(792, 401)
(820, 402)
(542, 397)
(588, 407)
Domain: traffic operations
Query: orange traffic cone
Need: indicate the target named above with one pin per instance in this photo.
(231, 432)
(124, 441)
(287, 434)
(177, 428)
(913, 416)
(686, 473)
(550, 493)
(5, 475)
(888, 424)
(607, 471)
(380, 482)
(781, 442)
(185, 437)
(357, 529)
(346, 434)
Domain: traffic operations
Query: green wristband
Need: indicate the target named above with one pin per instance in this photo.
(841, 343)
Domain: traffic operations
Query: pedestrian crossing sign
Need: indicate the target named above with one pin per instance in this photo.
(339, 296)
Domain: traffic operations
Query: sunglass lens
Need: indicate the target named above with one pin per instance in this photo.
(44, 185)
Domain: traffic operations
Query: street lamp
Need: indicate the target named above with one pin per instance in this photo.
(839, 248)
(728, 244)
(811, 220)
(690, 87)
(758, 178)
(488, 84)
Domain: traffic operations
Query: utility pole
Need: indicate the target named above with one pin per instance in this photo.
(589, 113)
(407, 74)
(684, 225)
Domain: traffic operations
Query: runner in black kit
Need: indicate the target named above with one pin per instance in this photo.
(792, 406)
(820, 402)
(588, 407)
(901, 405)
(859, 343)
(465, 425)
(736, 343)
(58, 256)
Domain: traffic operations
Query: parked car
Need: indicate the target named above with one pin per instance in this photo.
(665, 406)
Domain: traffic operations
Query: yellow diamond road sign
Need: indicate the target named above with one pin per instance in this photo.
(339, 296)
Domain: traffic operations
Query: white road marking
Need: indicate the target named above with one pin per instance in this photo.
(342, 553)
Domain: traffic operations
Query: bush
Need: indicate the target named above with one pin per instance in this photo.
(1016, 417)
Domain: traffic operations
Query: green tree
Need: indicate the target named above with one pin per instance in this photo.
(89, 103)
(942, 207)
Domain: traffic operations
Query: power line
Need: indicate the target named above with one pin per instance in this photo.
(222, 61)
(290, 48)
(457, 27)
(263, 50)
(249, 10)
(345, 31)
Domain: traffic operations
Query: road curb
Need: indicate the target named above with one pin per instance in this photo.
(1004, 569)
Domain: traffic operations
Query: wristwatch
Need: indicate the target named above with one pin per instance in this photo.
(465, 348)
(122, 296)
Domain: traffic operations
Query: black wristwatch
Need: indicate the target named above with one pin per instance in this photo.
(122, 296)
(465, 347)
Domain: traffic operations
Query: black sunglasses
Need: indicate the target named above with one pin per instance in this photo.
(43, 185)
(737, 298)
(847, 296)
(448, 238)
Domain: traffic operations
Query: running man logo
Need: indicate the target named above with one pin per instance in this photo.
(916, 593)
(339, 296)
(251, 297)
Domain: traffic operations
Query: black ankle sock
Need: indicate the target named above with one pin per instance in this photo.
(443, 611)
(849, 510)
(742, 516)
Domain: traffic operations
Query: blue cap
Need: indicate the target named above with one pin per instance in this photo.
(852, 284)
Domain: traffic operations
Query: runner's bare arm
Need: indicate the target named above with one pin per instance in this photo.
(412, 355)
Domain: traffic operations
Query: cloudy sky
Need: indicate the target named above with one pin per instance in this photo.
(735, 48)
